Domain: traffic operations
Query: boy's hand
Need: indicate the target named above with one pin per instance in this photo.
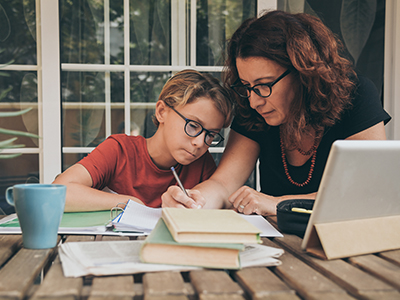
(175, 197)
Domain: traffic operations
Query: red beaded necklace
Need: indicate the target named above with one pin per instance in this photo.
(313, 150)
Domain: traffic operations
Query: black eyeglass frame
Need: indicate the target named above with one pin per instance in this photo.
(254, 87)
(208, 132)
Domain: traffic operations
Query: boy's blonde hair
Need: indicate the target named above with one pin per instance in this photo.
(188, 85)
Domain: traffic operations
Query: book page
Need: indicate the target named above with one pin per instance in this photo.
(137, 217)
(123, 257)
(107, 258)
(267, 230)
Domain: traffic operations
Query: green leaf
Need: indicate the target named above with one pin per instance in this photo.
(4, 93)
(4, 74)
(14, 113)
(19, 133)
(7, 156)
(356, 20)
(6, 143)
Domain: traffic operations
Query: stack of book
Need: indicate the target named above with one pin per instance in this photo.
(203, 237)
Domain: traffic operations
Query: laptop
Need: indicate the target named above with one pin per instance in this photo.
(358, 201)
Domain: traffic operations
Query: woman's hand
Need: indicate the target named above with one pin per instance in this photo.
(175, 197)
(248, 201)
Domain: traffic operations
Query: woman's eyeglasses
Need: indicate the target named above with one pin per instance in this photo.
(193, 129)
(262, 89)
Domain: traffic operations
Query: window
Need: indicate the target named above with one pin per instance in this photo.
(117, 55)
(100, 65)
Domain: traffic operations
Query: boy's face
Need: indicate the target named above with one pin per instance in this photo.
(183, 148)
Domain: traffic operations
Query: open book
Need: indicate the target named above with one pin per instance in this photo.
(140, 218)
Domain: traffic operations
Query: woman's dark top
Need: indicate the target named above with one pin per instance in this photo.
(366, 111)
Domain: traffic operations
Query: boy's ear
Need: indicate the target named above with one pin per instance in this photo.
(161, 109)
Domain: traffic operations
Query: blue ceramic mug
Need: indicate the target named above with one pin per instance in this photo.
(39, 208)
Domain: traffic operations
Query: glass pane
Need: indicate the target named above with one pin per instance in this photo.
(82, 31)
(83, 100)
(117, 102)
(362, 31)
(21, 169)
(147, 86)
(70, 159)
(142, 121)
(217, 20)
(117, 87)
(150, 32)
(116, 32)
(18, 32)
(22, 94)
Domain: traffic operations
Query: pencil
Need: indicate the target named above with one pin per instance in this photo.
(178, 181)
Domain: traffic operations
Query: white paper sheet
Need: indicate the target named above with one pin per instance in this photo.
(137, 217)
(122, 257)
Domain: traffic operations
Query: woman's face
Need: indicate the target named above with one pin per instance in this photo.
(275, 108)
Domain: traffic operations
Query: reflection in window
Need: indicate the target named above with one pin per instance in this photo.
(150, 32)
(216, 22)
(18, 32)
(83, 110)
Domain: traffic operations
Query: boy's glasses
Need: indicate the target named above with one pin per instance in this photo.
(193, 129)
(262, 89)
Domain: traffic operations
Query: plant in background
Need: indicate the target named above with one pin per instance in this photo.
(9, 143)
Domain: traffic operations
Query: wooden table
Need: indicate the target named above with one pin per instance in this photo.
(37, 274)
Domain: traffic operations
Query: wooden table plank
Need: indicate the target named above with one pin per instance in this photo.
(18, 274)
(112, 287)
(355, 281)
(379, 267)
(164, 285)
(211, 284)
(115, 238)
(79, 238)
(261, 283)
(9, 244)
(308, 283)
(55, 285)
(392, 256)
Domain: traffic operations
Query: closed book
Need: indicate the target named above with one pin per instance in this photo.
(209, 226)
(159, 247)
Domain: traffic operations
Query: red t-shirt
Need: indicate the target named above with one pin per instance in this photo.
(123, 164)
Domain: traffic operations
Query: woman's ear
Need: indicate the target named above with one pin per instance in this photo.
(161, 109)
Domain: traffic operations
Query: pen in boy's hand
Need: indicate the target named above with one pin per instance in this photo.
(178, 181)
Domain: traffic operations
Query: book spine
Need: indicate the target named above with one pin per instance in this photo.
(172, 227)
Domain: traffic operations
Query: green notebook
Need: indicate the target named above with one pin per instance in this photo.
(160, 247)
(80, 220)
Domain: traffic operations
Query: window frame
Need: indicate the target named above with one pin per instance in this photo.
(48, 70)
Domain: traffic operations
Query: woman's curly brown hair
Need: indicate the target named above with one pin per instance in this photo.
(302, 43)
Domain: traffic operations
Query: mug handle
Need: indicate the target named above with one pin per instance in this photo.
(10, 195)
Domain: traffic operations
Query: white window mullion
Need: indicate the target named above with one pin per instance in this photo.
(266, 5)
(193, 27)
(127, 74)
(178, 33)
(107, 79)
(392, 68)
(49, 74)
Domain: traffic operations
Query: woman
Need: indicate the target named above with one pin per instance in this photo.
(296, 96)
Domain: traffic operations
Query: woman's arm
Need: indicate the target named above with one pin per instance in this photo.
(248, 201)
(235, 167)
(376, 132)
(82, 197)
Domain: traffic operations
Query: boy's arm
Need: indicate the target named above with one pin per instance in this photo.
(235, 167)
(80, 194)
